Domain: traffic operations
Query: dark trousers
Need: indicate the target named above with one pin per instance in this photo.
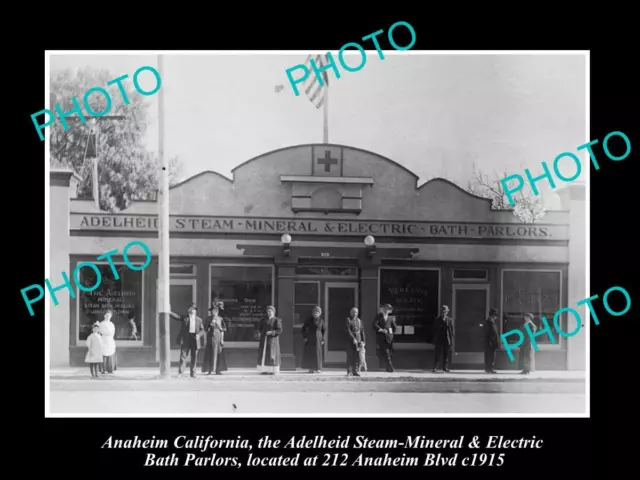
(442, 351)
(353, 359)
(489, 359)
(189, 345)
(385, 353)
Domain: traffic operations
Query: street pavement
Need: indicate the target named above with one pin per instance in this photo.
(239, 403)
(143, 392)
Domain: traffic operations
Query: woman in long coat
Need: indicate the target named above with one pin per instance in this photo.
(527, 359)
(269, 348)
(107, 331)
(215, 327)
(313, 334)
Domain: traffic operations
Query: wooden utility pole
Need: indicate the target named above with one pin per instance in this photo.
(163, 235)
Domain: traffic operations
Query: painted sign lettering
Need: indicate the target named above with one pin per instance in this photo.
(247, 225)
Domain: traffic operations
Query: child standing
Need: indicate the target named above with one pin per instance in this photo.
(94, 350)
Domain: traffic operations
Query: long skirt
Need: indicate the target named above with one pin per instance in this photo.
(527, 359)
(269, 355)
(312, 355)
(214, 358)
(109, 363)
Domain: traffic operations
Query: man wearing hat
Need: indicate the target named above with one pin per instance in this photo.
(190, 338)
(444, 336)
(385, 326)
(490, 341)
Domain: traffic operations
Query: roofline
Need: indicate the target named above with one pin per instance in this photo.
(199, 175)
(328, 145)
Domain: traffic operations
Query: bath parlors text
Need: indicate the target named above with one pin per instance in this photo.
(203, 445)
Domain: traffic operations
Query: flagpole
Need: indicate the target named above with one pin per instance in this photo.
(325, 112)
(163, 235)
(94, 178)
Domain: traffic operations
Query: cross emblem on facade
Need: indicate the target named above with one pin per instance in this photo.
(327, 161)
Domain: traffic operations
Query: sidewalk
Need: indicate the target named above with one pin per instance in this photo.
(334, 375)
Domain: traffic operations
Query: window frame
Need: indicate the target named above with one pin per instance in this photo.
(295, 304)
(230, 343)
(454, 279)
(123, 343)
(560, 344)
(193, 265)
(400, 345)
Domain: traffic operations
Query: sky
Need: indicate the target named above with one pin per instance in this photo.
(437, 115)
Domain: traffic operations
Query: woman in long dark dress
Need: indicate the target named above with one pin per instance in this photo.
(214, 360)
(527, 359)
(313, 333)
(269, 346)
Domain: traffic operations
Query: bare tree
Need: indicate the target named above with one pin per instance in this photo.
(527, 208)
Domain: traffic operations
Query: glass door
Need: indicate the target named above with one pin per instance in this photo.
(182, 294)
(470, 309)
(339, 299)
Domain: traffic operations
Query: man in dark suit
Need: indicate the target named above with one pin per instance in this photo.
(190, 338)
(385, 327)
(444, 335)
(491, 341)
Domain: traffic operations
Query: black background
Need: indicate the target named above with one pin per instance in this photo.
(576, 448)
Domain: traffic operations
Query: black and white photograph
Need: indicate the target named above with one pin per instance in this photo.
(282, 233)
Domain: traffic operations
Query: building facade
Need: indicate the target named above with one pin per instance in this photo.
(326, 225)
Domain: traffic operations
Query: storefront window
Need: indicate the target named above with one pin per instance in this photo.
(246, 293)
(124, 296)
(305, 297)
(414, 294)
(529, 291)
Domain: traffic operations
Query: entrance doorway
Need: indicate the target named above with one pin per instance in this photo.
(181, 295)
(339, 298)
(470, 309)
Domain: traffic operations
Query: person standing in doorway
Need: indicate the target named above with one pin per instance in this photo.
(385, 327)
(269, 346)
(444, 335)
(313, 334)
(107, 331)
(490, 341)
(526, 358)
(190, 338)
(355, 340)
(214, 360)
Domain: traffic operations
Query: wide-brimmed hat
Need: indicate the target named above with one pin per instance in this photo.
(192, 307)
(529, 315)
(386, 306)
(96, 324)
(493, 311)
(445, 306)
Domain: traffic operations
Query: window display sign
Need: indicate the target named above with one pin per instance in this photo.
(123, 296)
(414, 297)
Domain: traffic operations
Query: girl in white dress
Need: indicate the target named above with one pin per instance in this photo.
(108, 330)
(94, 350)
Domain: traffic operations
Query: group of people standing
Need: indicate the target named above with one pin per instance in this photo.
(101, 347)
(197, 334)
(313, 332)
